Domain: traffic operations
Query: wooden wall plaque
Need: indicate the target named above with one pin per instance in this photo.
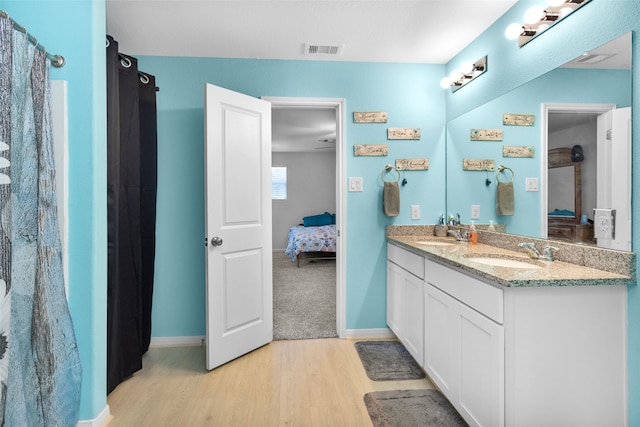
(403, 133)
(412, 164)
(509, 119)
(486, 135)
(372, 150)
(478, 165)
(369, 117)
(517, 151)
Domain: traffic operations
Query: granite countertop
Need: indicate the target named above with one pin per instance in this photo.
(460, 255)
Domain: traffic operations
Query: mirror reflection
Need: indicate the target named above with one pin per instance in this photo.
(575, 108)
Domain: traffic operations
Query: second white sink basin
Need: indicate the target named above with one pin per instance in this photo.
(502, 262)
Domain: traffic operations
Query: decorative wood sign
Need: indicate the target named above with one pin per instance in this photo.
(486, 135)
(403, 133)
(478, 165)
(412, 164)
(520, 151)
(370, 117)
(372, 150)
(518, 119)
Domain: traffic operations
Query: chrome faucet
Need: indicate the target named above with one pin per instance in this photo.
(531, 250)
(548, 252)
(457, 235)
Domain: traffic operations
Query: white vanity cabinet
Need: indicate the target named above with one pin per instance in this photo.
(464, 349)
(523, 356)
(405, 287)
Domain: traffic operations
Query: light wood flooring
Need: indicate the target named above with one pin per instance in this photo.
(285, 383)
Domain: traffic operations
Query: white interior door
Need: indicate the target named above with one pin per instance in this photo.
(237, 224)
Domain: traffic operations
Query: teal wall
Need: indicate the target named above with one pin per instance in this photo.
(76, 29)
(410, 95)
(562, 85)
(510, 66)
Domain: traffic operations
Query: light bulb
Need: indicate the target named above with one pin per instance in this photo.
(455, 75)
(542, 27)
(466, 67)
(445, 82)
(565, 11)
(556, 3)
(533, 15)
(513, 31)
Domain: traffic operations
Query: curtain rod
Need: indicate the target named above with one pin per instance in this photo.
(56, 60)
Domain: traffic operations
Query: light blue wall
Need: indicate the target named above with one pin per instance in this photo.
(511, 66)
(409, 94)
(75, 29)
(468, 187)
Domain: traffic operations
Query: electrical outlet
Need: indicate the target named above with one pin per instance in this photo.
(415, 211)
(531, 184)
(604, 221)
(475, 211)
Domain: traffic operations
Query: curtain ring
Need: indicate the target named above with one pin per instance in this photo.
(125, 62)
(143, 78)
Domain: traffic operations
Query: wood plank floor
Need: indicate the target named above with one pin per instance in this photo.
(285, 383)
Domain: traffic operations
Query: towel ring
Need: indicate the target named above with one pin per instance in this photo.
(503, 169)
(387, 169)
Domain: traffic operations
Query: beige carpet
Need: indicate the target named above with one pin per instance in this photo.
(304, 299)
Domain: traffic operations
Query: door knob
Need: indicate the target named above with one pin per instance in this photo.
(216, 241)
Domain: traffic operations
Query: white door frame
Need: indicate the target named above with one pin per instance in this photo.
(339, 105)
(548, 108)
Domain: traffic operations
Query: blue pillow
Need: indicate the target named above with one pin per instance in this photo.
(318, 220)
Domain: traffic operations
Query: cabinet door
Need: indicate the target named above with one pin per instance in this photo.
(438, 339)
(414, 322)
(395, 299)
(480, 358)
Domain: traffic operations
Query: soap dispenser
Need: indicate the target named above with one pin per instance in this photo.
(473, 234)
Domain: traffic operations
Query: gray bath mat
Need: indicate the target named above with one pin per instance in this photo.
(411, 408)
(388, 361)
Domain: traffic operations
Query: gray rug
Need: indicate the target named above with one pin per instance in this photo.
(388, 361)
(411, 408)
(304, 299)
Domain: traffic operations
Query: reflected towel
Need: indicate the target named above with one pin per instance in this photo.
(505, 204)
(391, 196)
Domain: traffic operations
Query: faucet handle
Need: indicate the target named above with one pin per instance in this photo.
(549, 251)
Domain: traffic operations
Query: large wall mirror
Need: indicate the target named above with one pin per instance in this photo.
(572, 106)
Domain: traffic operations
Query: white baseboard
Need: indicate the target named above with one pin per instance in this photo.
(177, 341)
(103, 418)
(369, 333)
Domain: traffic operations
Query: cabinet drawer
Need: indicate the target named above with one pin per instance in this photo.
(480, 296)
(408, 260)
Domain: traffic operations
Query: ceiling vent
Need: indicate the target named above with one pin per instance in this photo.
(322, 49)
(592, 59)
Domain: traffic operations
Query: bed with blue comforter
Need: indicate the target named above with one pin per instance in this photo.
(316, 241)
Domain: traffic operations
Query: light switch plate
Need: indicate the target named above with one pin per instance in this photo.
(531, 184)
(355, 183)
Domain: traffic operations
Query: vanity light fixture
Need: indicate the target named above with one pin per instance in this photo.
(467, 72)
(537, 20)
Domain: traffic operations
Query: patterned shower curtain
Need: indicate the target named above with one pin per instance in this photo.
(40, 371)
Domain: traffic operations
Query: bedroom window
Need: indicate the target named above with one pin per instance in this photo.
(279, 183)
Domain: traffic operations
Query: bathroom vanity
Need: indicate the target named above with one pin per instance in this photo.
(510, 340)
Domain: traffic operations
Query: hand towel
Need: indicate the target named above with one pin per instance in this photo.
(391, 196)
(505, 204)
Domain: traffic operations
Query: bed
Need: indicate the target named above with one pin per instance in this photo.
(311, 242)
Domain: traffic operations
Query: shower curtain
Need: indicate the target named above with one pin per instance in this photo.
(40, 371)
(131, 212)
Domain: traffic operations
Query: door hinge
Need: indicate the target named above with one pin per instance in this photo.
(609, 134)
(206, 241)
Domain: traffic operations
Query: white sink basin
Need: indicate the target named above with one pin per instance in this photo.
(502, 262)
(434, 243)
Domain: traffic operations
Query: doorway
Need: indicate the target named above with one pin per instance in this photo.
(334, 149)
(591, 127)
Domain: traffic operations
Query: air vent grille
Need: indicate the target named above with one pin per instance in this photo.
(322, 49)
